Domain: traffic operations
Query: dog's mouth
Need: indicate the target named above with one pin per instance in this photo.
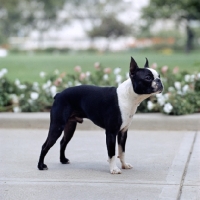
(160, 89)
(157, 86)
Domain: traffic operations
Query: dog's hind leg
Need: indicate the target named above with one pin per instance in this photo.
(121, 138)
(68, 134)
(54, 133)
(59, 118)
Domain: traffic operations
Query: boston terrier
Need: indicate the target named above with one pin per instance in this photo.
(110, 108)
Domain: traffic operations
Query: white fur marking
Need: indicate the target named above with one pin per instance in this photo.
(122, 159)
(156, 76)
(154, 72)
(128, 102)
(113, 167)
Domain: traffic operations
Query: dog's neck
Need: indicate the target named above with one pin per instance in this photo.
(128, 102)
(126, 92)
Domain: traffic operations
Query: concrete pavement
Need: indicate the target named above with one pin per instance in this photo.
(165, 166)
(148, 121)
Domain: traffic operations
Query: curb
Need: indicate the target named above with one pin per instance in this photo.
(148, 121)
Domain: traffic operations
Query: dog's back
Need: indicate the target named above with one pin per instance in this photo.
(95, 103)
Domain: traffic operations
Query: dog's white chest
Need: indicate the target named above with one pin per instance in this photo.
(127, 117)
(128, 102)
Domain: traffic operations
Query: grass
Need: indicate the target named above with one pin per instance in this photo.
(27, 67)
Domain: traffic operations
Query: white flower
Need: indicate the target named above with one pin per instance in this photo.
(77, 83)
(117, 70)
(105, 77)
(168, 108)
(166, 96)
(53, 90)
(177, 85)
(198, 75)
(118, 78)
(30, 101)
(34, 95)
(42, 74)
(171, 89)
(3, 52)
(189, 78)
(21, 96)
(180, 92)
(17, 82)
(46, 85)
(4, 71)
(35, 86)
(22, 87)
(56, 72)
(185, 89)
(14, 98)
(1, 74)
(160, 99)
(87, 74)
(192, 77)
(150, 105)
(16, 109)
(70, 83)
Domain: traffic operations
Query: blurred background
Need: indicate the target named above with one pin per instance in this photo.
(98, 26)
(59, 38)
(114, 25)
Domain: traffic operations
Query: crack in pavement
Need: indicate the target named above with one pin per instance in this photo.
(186, 167)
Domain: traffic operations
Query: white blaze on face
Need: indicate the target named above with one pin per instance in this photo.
(154, 72)
(156, 76)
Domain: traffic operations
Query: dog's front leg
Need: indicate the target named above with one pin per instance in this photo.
(121, 149)
(111, 141)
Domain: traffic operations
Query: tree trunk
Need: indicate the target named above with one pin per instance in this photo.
(190, 39)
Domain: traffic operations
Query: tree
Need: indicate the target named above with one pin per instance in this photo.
(94, 10)
(19, 17)
(109, 27)
(180, 11)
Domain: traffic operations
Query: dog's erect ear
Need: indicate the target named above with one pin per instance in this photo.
(146, 64)
(133, 67)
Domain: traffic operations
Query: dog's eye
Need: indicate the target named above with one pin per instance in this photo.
(148, 78)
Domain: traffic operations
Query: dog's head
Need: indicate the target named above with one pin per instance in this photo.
(145, 80)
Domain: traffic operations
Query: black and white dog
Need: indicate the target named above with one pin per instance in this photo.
(108, 107)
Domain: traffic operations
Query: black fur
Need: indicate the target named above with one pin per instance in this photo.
(99, 104)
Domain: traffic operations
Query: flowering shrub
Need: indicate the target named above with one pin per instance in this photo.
(181, 94)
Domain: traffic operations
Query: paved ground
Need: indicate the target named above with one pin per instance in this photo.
(155, 121)
(166, 166)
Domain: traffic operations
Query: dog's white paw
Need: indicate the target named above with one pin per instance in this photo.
(113, 167)
(115, 170)
(126, 166)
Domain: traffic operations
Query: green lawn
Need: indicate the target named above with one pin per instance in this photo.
(27, 67)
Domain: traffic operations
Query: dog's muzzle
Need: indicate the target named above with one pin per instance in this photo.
(157, 85)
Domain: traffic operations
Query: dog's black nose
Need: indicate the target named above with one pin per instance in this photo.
(159, 85)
